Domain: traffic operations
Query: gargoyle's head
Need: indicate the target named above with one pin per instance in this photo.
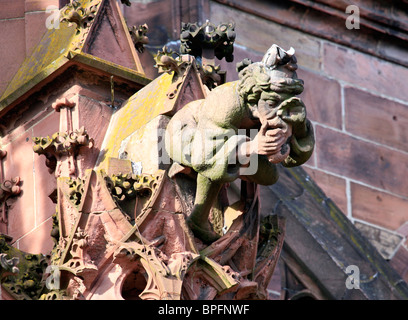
(269, 89)
(273, 79)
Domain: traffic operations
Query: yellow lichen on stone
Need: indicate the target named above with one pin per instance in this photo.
(141, 108)
(50, 50)
(63, 45)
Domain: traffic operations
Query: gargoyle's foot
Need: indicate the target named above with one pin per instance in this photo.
(203, 232)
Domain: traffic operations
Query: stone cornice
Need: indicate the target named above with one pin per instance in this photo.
(383, 26)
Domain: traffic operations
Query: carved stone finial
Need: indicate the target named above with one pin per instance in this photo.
(82, 13)
(168, 61)
(219, 39)
(138, 35)
(60, 145)
(205, 43)
(10, 188)
(82, 16)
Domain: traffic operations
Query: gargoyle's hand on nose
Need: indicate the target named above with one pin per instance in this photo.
(268, 141)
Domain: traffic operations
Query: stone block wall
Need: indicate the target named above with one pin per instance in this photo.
(22, 24)
(358, 103)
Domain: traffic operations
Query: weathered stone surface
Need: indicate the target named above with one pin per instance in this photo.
(377, 119)
(399, 262)
(384, 241)
(35, 5)
(10, 37)
(163, 96)
(12, 9)
(44, 206)
(320, 232)
(64, 46)
(9, 190)
(403, 230)
(112, 226)
(112, 42)
(378, 207)
(326, 78)
(325, 108)
(21, 213)
(146, 146)
(263, 32)
(35, 27)
(361, 160)
(20, 272)
(346, 64)
(205, 136)
(327, 20)
(38, 240)
(94, 115)
(103, 244)
(334, 187)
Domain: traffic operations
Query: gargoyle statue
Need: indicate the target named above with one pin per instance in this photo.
(242, 129)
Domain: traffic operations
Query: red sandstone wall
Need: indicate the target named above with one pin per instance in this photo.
(358, 104)
(22, 24)
(29, 216)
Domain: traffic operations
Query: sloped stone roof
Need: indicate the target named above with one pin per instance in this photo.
(69, 42)
(163, 96)
(323, 248)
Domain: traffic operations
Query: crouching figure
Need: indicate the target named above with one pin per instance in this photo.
(242, 129)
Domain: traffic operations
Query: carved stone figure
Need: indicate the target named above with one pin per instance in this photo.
(211, 135)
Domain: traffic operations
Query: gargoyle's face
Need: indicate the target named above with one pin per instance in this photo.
(279, 115)
(267, 109)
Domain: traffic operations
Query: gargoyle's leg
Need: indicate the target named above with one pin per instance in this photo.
(206, 194)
